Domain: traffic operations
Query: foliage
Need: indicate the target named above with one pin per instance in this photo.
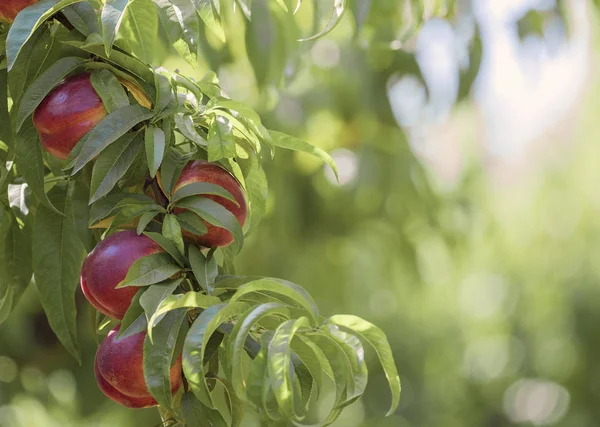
(252, 341)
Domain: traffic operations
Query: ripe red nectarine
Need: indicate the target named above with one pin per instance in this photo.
(10, 8)
(107, 265)
(203, 171)
(119, 370)
(69, 111)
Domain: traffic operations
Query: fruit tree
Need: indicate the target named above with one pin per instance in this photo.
(137, 185)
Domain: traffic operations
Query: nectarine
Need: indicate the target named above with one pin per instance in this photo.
(10, 8)
(203, 171)
(69, 111)
(107, 265)
(119, 370)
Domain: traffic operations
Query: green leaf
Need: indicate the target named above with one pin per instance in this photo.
(42, 86)
(149, 270)
(258, 192)
(198, 415)
(6, 128)
(140, 28)
(145, 219)
(156, 294)
(185, 125)
(215, 214)
(377, 339)
(158, 357)
(15, 262)
(168, 246)
(80, 195)
(220, 140)
(180, 20)
(355, 353)
(109, 89)
(29, 64)
(202, 188)
(110, 129)
(57, 259)
(339, 9)
(258, 381)
(30, 162)
(134, 320)
(279, 287)
(265, 44)
(187, 300)
(112, 16)
(27, 21)
(104, 207)
(155, 148)
(131, 64)
(191, 222)
(83, 17)
(238, 339)
(171, 168)
(113, 163)
(279, 362)
(340, 367)
(314, 359)
(205, 269)
(292, 143)
(195, 344)
(242, 112)
(207, 14)
(164, 92)
(234, 403)
(172, 231)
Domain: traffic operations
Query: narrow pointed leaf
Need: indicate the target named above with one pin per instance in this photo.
(202, 188)
(110, 129)
(113, 163)
(155, 148)
(187, 300)
(205, 270)
(279, 363)
(130, 325)
(195, 344)
(172, 231)
(109, 89)
(168, 246)
(277, 286)
(57, 258)
(340, 7)
(377, 339)
(149, 270)
(292, 143)
(113, 14)
(216, 214)
(158, 356)
(27, 21)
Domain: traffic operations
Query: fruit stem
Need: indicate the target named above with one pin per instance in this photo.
(56, 179)
(60, 17)
(158, 194)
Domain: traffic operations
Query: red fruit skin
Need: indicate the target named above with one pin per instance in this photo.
(119, 370)
(10, 8)
(107, 265)
(203, 171)
(69, 111)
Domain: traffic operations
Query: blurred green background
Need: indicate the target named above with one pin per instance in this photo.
(466, 222)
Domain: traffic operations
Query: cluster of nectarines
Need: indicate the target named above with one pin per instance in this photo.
(68, 112)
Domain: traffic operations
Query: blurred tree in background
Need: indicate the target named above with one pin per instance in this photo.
(465, 222)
